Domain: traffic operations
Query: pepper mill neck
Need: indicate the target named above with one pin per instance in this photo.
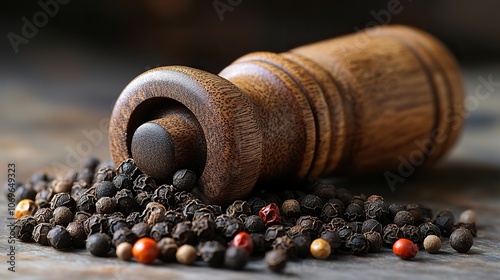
(350, 105)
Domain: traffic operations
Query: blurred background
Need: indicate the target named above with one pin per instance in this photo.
(61, 77)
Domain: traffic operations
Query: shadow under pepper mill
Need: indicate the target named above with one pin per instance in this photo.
(354, 104)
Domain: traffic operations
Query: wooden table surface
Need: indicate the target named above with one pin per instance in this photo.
(38, 130)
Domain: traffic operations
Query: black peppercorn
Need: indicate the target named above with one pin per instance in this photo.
(124, 235)
(391, 233)
(332, 237)
(445, 221)
(259, 243)
(354, 212)
(59, 238)
(274, 232)
(371, 225)
(141, 230)
(291, 208)
(43, 215)
(374, 241)
(154, 213)
(116, 223)
(129, 167)
(142, 199)
(213, 252)
(337, 224)
(77, 234)
(184, 180)
(418, 213)
(168, 249)
(104, 174)
(302, 245)
(86, 203)
(62, 215)
(254, 223)
(123, 182)
(228, 226)
(81, 216)
(357, 244)
(203, 227)
(356, 226)
(133, 218)
(40, 232)
(164, 194)
(287, 244)
(373, 198)
(324, 191)
(160, 231)
(97, 223)
(98, 244)
(24, 192)
(461, 240)
(413, 233)
(182, 197)
(344, 234)
(105, 189)
(403, 218)
(429, 228)
(311, 205)
(330, 211)
(359, 200)
(105, 205)
(310, 224)
(236, 258)
(183, 234)
(256, 203)
(394, 209)
(61, 186)
(173, 217)
(470, 226)
(190, 207)
(63, 199)
(44, 197)
(343, 195)
(125, 202)
(90, 163)
(86, 175)
(202, 212)
(276, 260)
(377, 210)
(238, 207)
(144, 183)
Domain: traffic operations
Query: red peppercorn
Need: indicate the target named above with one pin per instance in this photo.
(243, 240)
(405, 249)
(145, 250)
(270, 214)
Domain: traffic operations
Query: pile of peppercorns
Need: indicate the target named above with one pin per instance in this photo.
(123, 212)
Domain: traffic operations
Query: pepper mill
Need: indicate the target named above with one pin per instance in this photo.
(350, 105)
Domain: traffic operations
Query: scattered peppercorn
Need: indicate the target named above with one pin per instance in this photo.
(311, 205)
(59, 238)
(124, 235)
(62, 215)
(357, 244)
(105, 205)
(24, 227)
(145, 250)
(374, 240)
(40, 233)
(124, 251)
(25, 207)
(243, 240)
(461, 240)
(403, 218)
(77, 234)
(405, 249)
(468, 217)
(276, 260)
(168, 249)
(291, 208)
(270, 214)
(98, 244)
(236, 258)
(141, 230)
(320, 249)
(332, 237)
(213, 252)
(184, 180)
(186, 254)
(432, 244)
(302, 245)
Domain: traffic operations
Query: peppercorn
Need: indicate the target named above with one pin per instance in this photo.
(203, 227)
(332, 237)
(105, 189)
(186, 254)
(461, 240)
(254, 223)
(310, 224)
(190, 207)
(184, 180)
(374, 240)
(144, 183)
(129, 167)
(40, 232)
(142, 199)
(160, 231)
(356, 226)
(243, 240)
(270, 214)
(123, 182)
(344, 234)
(43, 215)
(357, 244)
(43, 198)
(337, 224)
(105, 205)
(77, 234)
(324, 191)
(276, 260)
(371, 225)
(168, 249)
(236, 258)
(320, 249)
(154, 213)
(256, 204)
(311, 205)
(104, 174)
(81, 216)
(25, 207)
(145, 250)
(285, 195)
(259, 243)
(412, 233)
(213, 252)
(354, 212)
(182, 197)
(141, 230)
(445, 221)
(86, 175)
(125, 202)
(302, 245)
(403, 218)
(285, 243)
(343, 195)
(391, 233)
(274, 232)
(330, 211)
(238, 207)
(418, 212)
(468, 217)
(86, 203)
(61, 186)
(471, 227)
(59, 238)
(98, 244)
(271, 198)
(124, 251)
(432, 244)
(377, 210)
(183, 234)
(429, 228)
(405, 249)
(359, 200)
(394, 209)
(164, 195)
(24, 192)
(173, 217)
(202, 212)
(62, 215)
(63, 199)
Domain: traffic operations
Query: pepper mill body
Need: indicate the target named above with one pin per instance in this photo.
(350, 105)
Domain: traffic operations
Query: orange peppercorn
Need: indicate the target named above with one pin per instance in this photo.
(243, 240)
(405, 249)
(145, 250)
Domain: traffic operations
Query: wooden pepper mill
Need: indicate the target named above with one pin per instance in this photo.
(354, 104)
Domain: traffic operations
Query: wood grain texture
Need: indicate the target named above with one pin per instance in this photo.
(355, 104)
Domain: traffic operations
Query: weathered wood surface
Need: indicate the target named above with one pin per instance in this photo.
(469, 177)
